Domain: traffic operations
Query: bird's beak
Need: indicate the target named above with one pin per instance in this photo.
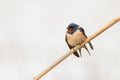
(67, 27)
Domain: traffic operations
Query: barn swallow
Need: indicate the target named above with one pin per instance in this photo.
(75, 35)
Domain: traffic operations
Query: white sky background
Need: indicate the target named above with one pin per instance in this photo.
(32, 37)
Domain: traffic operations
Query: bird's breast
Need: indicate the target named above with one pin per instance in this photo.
(76, 38)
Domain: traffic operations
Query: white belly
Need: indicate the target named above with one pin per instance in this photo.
(76, 38)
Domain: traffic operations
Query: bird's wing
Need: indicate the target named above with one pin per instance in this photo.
(82, 30)
(75, 53)
(80, 52)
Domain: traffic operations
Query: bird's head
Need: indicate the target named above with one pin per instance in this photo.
(72, 28)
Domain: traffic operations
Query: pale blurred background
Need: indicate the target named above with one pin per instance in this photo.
(32, 37)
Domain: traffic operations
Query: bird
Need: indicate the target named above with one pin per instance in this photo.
(75, 35)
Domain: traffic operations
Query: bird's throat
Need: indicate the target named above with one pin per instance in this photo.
(69, 30)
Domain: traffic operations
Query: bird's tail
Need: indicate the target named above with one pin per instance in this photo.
(87, 49)
(91, 45)
(80, 52)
